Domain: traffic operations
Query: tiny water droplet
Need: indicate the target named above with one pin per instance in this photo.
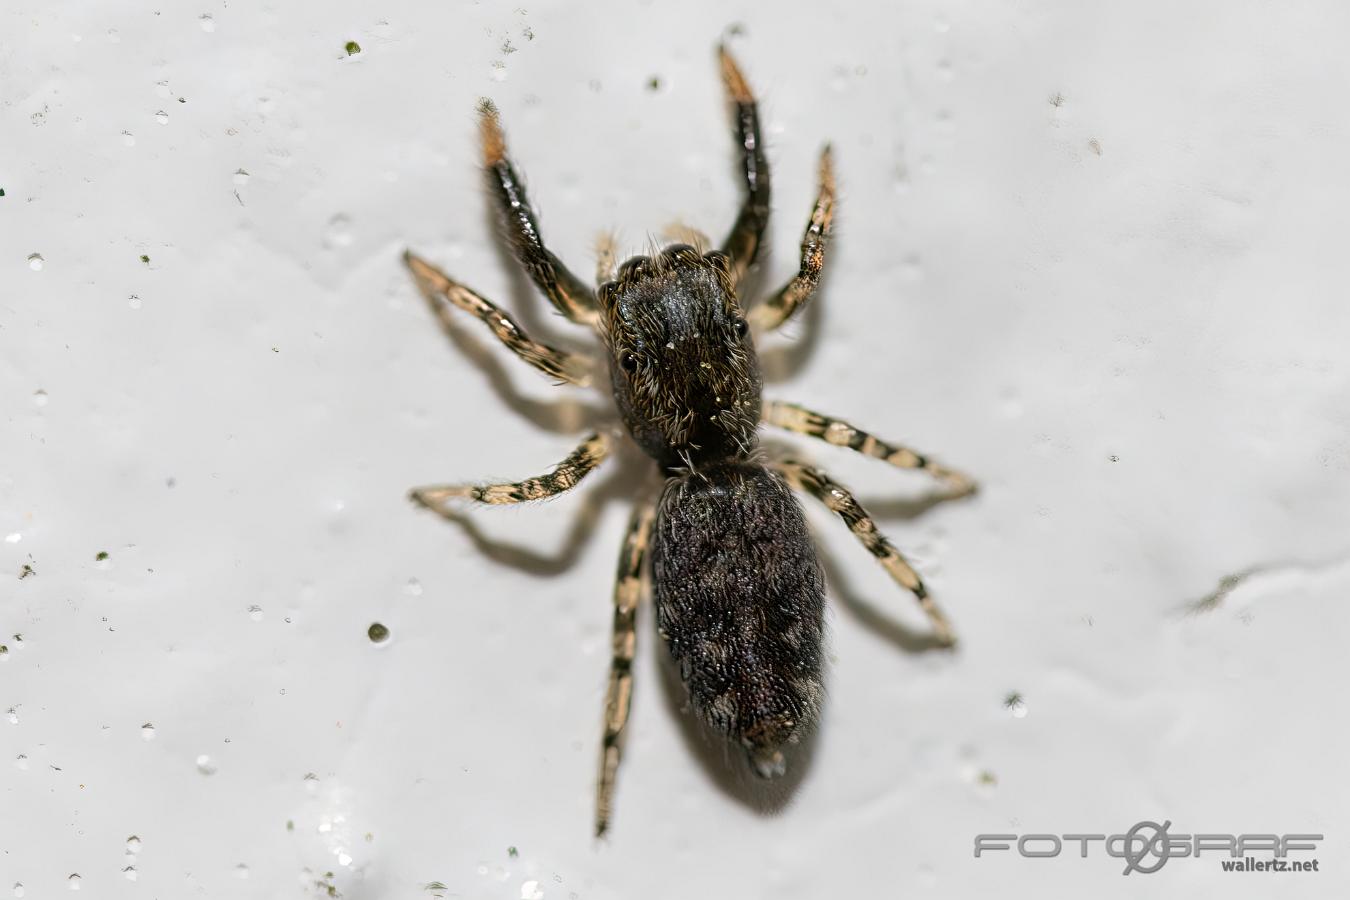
(413, 588)
(18, 889)
(162, 117)
(344, 859)
(147, 732)
(35, 262)
(12, 716)
(21, 762)
(499, 72)
(338, 232)
(529, 890)
(206, 765)
(208, 23)
(241, 871)
(130, 873)
(39, 397)
(255, 613)
(13, 538)
(74, 881)
(240, 177)
(129, 139)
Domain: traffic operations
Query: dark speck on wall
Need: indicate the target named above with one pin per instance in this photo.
(353, 48)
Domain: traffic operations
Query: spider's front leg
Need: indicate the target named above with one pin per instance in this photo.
(798, 419)
(568, 294)
(619, 694)
(565, 476)
(841, 502)
(742, 244)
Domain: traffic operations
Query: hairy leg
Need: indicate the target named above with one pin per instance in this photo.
(798, 419)
(440, 289)
(776, 310)
(565, 476)
(742, 244)
(564, 290)
(841, 502)
(619, 694)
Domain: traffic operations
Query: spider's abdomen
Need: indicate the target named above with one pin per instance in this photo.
(739, 599)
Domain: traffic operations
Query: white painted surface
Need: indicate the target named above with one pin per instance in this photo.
(1125, 314)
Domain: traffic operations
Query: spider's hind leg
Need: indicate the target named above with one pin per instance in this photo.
(842, 502)
(619, 694)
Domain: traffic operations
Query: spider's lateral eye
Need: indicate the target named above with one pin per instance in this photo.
(742, 327)
(629, 362)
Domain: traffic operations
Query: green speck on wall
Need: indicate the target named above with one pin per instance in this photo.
(102, 555)
(145, 259)
(353, 48)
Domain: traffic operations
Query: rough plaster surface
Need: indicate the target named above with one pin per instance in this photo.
(1092, 253)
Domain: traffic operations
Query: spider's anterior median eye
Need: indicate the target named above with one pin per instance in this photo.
(629, 362)
(742, 327)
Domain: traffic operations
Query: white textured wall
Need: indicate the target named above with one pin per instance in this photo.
(1123, 310)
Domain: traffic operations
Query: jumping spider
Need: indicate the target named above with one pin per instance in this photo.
(738, 588)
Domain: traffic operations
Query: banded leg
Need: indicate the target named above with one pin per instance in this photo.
(619, 694)
(568, 294)
(440, 289)
(792, 296)
(566, 475)
(742, 244)
(839, 500)
(798, 419)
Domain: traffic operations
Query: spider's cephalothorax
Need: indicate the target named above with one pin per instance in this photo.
(736, 583)
(684, 370)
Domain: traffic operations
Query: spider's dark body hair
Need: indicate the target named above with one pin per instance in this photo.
(685, 374)
(738, 590)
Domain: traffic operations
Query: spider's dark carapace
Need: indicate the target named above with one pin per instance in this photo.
(736, 583)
